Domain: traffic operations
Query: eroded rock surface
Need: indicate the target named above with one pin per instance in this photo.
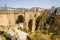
(14, 33)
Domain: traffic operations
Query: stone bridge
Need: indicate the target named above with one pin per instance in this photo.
(21, 18)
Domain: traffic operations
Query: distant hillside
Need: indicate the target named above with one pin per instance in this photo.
(10, 8)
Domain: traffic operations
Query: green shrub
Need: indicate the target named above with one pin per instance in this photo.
(20, 28)
(37, 31)
(38, 19)
(26, 30)
(3, 38)
(44, 32)
(55, 33)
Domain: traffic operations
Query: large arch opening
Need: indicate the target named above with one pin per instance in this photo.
(20, 19)
(30, 24)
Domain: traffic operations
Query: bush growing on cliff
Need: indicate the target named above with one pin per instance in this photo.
(37, 31)
(38, 19)
(55, 33)
(3, 38)
(26, 30)
(44, 32)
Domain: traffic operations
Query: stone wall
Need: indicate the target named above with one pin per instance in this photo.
(4, 20)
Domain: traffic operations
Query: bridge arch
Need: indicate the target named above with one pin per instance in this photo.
(30, 24)
(20, 19)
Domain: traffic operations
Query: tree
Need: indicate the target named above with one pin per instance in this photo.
(38, 20)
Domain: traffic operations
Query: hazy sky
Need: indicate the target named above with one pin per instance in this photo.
(30, 3)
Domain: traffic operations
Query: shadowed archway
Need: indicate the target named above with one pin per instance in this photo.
(30, 24)
(20, 19)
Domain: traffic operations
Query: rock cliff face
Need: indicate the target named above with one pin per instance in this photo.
(58, 11)
(13, 33)
(26, 18)
(55, 10)
(3, 20)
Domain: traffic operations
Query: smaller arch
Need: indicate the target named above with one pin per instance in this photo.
(30, 24)
(35, 15)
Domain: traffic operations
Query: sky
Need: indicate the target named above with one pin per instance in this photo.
(30, 3)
